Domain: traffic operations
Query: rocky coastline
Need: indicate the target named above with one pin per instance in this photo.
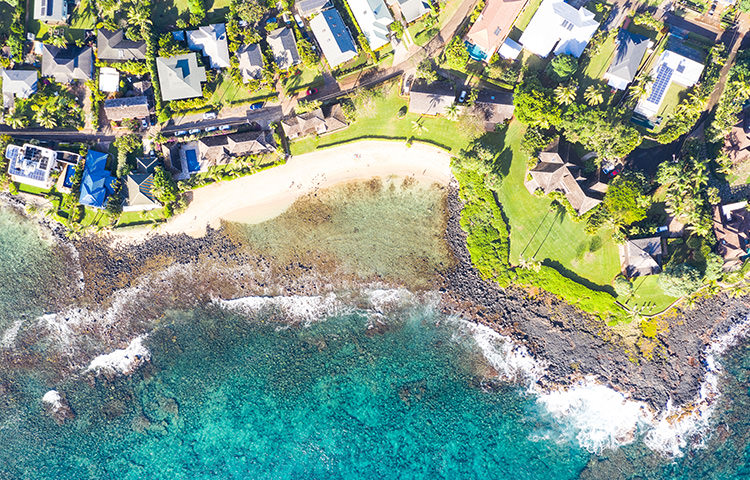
(571, 343)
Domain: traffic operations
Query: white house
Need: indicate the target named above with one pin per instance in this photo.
(671, 68)
(31, 164)
(212, 41)
(557, 25)
(333, 37)
(373, 18)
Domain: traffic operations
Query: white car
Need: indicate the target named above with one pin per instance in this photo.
(224, 127)
(194, 131)
(209, 115)
(180, 133)
(462, 97)
(210, 129)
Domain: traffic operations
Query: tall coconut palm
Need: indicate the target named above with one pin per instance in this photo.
(637, 90)
(45, 119)
(451, 113)
(566, 94)
(57, 39)
(593, 95)
(418, 127)
(16, 121)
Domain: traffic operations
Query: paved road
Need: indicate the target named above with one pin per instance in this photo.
(263, 117)
(57, 135)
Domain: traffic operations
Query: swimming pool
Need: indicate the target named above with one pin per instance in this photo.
(475, 52)
(192, 161)
(70, 172)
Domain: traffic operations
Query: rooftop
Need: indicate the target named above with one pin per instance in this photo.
(114, 45)
(212, 41)
(284, 47)
(494, 24)
(333, 37)
(250, 62)
(641, 256)
(671, 68)
(31, 164)
(561, 26)
(373, 18)
(180, 76)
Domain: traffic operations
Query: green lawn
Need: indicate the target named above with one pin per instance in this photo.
(600, 62)
(551, 236)
(130, 219)
(649, 295)
(308, 77)
(229, 92)
(83, 18)
(525, 17)
(386, 125)
(670, 101)
(166, 12)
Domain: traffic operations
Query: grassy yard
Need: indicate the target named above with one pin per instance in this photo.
(166, 12)
(229, 92)
(308, 77)
(131, 219)
(649, 296)
(600, 62)
(671, 99)
(83, 18)
(385, 124)
(548, 235)
(525, 17)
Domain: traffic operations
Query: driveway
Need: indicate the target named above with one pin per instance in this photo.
(263, 117)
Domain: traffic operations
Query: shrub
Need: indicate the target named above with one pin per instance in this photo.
(680, 280)
(562, 67)
(623, 286)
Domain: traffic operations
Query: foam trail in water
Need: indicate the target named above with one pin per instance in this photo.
(295, 308)
(122, 361)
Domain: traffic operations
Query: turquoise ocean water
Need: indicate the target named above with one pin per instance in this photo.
(231, 396)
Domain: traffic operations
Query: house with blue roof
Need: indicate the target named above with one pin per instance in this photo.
(97, 181)
(333, 37)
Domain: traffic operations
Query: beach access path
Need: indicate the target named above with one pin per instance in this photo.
(266, 194)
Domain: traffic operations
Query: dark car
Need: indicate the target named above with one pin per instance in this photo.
(311, 91)
(256, 106)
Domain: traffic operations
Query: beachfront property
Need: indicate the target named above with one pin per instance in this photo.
(333, 37)
(731, 224)
(113, 45)
(316, 122)
(494, 107)
(31, 164)
(51, 11)
(138, 187)
(642, 256)
(109, 79)
(211, 40)
(670, 68)
(553, 174)
(431, 98)
(124, 108)
(180, 76)
(492, 27)
(558, 26)
(67, 64)
(411, 10)
(18, 84)
(97, 182)
(629, 52)
(199, 155)
(250, 62)
(284, 47)
(308, 8)
(373, 18)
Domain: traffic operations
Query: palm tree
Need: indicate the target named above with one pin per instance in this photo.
(45, 119)
(16, 121)
(566, 94)
(418, 127)
(57, 38)
(637, 90)
(593, 95)
(451, 113)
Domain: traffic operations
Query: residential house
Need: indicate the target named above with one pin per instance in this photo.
(316, 122)
(510, 49)
(559, 26)
(553, 174)
(119, 109)
(732, 229)
(68, 64)
(494, 107)
(18, 83)
(671, 67)
(642, 256)
(109, 79)
(736, 143)
(51, 11)
(431, 98)
(284, 47)
(115, 46)
(31, 164)
(492, 27)
(373, 18)
(180, 76)
(220, 149)
(629, 52)
(138, 188)
(97, 181)
(308, 8)
(212, 41)
(333, 37)
(251, 62)
(412, 10)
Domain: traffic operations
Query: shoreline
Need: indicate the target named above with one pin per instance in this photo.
(264, 195)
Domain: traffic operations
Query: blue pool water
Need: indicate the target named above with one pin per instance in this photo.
(192, 161)
(70, 171)
(475, 52)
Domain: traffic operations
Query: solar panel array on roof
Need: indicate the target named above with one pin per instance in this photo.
(663, 76)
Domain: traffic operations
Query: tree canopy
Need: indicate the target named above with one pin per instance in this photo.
(625, 199)
(562, 67)
(679, 280)
(608, 136)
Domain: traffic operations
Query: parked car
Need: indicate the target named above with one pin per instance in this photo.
(311, 91)
(462, 97)
(662, 229)
(224, 127)
(180, 133)
(209, 115)
(271, 20)
(209, 129)
(256, 106)
(144, 123)
(194, 131)
(298, 19)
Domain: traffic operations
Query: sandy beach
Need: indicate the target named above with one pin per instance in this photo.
(264, 195)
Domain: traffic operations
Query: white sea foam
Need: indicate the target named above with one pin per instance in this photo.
(297, 308)
(122, 361)
(603, 418)
(9, 336)
(54, 400)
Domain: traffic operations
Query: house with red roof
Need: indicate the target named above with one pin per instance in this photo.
(492, 27)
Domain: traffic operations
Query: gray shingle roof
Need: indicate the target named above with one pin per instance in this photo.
(113, 45)
(69, 64)
(180, 76)
(309, 7)
(251, 62)
(641, 256)
(628, 55)
(118, 109)
(431, 98)
(18, 83)
(284, 47)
